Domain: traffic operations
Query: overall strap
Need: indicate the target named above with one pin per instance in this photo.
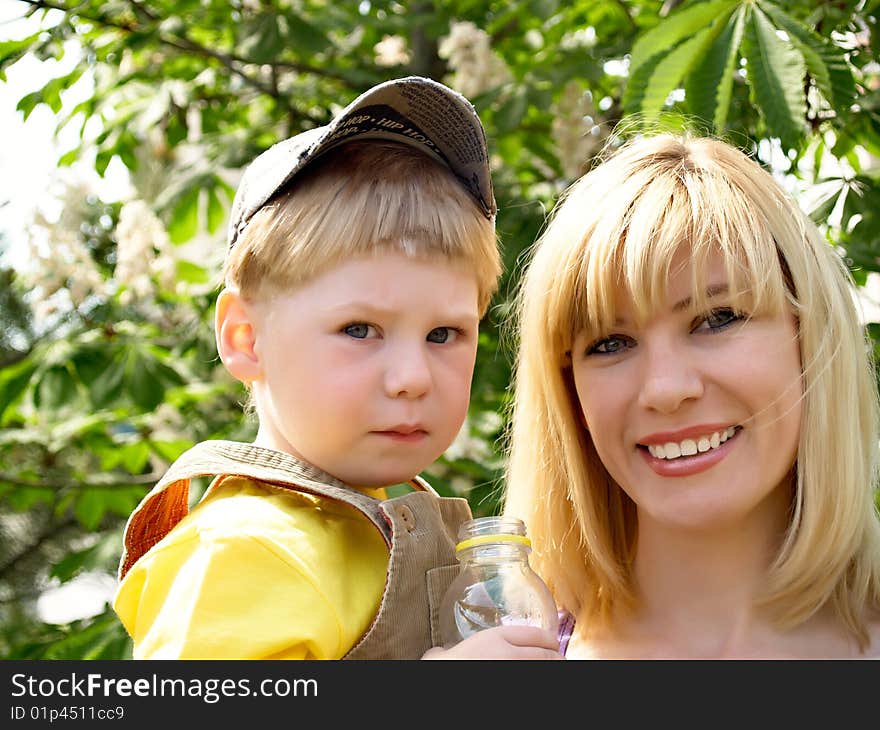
(168, 502)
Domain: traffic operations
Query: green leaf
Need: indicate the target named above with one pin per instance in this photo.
(265, 42)
(27, 103)
(81, 429)
(98, 556)
(307, 38)
(87, 641)
(108, 388)
(12, 50)
(22, 499)
(512, 111)
(825, 203)
(710, 84)
(145, 388)
(55, 389)
(69, 157)
(216, 211)
(121, 500)
(51, 92)
(184, 221)
(683, 24)
(90, 508)
(170, 450)
(191, 273)
(90, 362)
(776, 75)
(14, 381)
(102, 160)
(134, 456)
(176, 130)
(825, 62)
(125, 147)
(668, 73)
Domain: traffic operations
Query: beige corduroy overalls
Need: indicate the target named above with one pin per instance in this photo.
(420, 529)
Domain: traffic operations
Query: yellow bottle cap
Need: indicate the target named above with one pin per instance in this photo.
(483, 539)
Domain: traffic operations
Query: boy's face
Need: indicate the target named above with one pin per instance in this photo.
(365, 370)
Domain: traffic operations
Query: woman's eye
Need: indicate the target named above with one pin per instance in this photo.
(719, 318)
(442, 335)
(609, 345)
(359, 330)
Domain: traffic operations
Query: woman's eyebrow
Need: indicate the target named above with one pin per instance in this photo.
(711, 291)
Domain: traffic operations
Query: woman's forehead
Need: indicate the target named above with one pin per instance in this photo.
(690, 277)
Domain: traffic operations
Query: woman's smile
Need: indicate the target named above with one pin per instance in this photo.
(689, 456)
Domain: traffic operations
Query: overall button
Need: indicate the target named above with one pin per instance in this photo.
(408, 518)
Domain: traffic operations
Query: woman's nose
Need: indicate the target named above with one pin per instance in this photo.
(669, 377)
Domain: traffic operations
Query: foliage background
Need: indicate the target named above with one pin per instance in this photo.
(107, 362)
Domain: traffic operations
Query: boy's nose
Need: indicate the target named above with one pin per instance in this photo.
(669, 378)
(408, 374)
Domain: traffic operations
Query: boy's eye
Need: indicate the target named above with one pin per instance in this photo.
(359, 330)
(610, 345)
(442, 335)
(718, 319)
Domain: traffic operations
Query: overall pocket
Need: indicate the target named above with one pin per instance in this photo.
(439, 579)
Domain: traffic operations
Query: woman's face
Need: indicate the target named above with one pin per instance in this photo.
(695, 414)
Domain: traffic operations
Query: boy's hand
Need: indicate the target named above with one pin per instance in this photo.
(503, 642)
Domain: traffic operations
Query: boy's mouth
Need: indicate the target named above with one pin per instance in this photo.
(406, 432)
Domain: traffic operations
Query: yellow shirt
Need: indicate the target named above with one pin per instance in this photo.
(254, 572)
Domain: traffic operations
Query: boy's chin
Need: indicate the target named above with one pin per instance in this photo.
(385, 478)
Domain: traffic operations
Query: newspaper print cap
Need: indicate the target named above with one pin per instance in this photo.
(414, 110)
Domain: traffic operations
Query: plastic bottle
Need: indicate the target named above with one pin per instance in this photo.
(496, 585)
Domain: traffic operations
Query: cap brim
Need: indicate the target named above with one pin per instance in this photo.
(416, 111)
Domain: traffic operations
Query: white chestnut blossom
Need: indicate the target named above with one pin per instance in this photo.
(61, 268)
(575, 130)
(468, 51)
(139, 236)
(580, 38)
(391, 51)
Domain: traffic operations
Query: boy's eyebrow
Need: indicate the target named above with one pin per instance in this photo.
(372, 308)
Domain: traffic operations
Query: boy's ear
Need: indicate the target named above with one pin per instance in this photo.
(236, 336)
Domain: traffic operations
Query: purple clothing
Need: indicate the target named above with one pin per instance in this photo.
(566, 628)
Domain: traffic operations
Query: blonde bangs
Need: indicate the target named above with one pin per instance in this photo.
(631, 226)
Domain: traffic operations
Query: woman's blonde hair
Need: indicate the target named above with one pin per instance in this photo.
(618, 227)
(359, 199)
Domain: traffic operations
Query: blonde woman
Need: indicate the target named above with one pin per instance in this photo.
(695, 431)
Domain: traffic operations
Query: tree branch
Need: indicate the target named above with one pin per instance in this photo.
(107, 482)
(53, 531)
(625, 10)
(181, 42)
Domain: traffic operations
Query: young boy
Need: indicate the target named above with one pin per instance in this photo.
(361, 258)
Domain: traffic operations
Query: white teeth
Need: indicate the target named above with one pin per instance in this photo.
(689, 447)
(672, 451)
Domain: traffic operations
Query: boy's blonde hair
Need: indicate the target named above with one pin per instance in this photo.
(618, 227)
(359, 199)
